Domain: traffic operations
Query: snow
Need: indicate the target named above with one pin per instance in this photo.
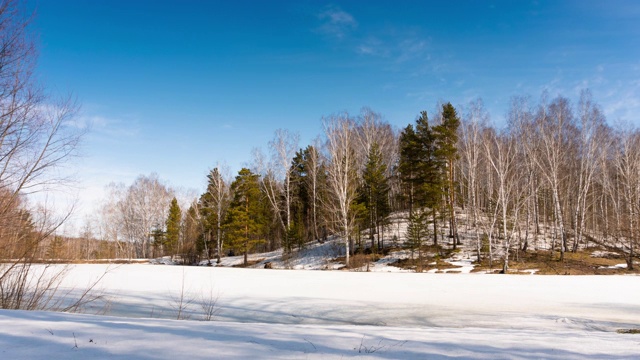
(37, 335)
(290, 314)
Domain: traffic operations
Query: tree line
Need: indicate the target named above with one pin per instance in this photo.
(555, 178)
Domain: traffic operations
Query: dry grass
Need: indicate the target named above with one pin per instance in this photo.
(249, 263)
(579, 263)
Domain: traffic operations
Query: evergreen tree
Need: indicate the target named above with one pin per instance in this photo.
(420, 168)
(417, 232)
(158, 236)
(244, 219)
(407, 167)
(429, 167)
(192, 232)
(300, 203)
(308, 184)
(446, 152)
(172, 235)
(375, 193)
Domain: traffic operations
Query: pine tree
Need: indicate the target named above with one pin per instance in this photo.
(420, 169)
(172, 235)
(407, 167)
(375, 193)
(192, 232)
(446, 140)
(300, 203)
(417, 232)
(243, 223)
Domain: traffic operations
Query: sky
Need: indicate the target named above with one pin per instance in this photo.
(177, 87)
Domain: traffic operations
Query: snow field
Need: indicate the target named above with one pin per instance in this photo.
(332, 314)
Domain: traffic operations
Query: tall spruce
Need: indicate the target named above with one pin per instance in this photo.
(420, 169)
(244, 218)
(172, 235)
(409, 158)
(375, 193)
(191, 233)
(417, 232)
(446, 153)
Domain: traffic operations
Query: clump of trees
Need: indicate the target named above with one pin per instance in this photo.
(555, 177)
(555, 171)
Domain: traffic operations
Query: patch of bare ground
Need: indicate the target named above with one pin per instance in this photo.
(358, 261)
(249, 263)
(433, 258)
(578, 263)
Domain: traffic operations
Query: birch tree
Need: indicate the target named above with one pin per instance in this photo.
(142, 210)
(553, 124)
(215, 202)
(342, 172)
(283, 148)
(501, 154)
(520, 122)
(590, 142)
(627, 166)
(473, 125)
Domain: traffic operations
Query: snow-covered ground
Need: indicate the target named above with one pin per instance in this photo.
(332, 314)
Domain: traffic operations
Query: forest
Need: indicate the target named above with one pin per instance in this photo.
(555, 178)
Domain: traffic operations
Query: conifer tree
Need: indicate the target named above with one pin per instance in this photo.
(243, 222)
(417, 232)
(375, 193)
(308, 184)
(192, 232)
(409, 158)
(446, 152)
(420, 169)
(172, 235)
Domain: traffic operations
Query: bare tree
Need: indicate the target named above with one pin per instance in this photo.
(283, 148)
(590, 142)
(553, 123)
(520, 119)
(111, 227)
(217, 200)
(470, 143)
(627, 166)
(342, 171)
(371, 129)
(37, 136)
(134, 213)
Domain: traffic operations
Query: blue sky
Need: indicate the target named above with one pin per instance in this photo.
(174, 87)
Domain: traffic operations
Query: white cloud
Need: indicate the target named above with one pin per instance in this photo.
(336, 22)
(410, 49)
(103, 126)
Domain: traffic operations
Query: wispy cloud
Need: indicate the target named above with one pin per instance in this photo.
(412, 48)
(622, 102)
(106, 126)
(336, 22)
(373, 46)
